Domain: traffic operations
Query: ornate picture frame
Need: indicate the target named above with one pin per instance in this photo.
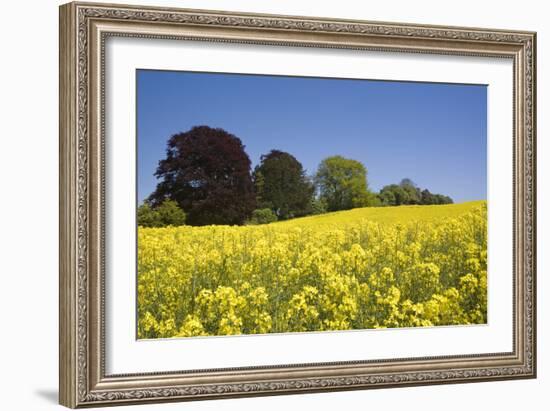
(84, 29)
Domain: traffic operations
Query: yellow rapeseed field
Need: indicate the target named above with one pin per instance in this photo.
(404, 266)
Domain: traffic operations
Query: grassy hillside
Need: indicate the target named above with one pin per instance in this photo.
(388, 215)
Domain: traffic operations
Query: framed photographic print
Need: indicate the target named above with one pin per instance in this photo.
(259, 204)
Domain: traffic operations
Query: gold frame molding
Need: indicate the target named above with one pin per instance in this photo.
(84, 27)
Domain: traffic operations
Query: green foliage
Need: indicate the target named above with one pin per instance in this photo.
(392, 195)
(318, 206)
(342, 183)
(412, 192)
(408, 193)
(147, 217)
(206, 173)
(170, 213)
(166, 213)
(262, 216)
(429, 198)
(282, 186)
(372, 200)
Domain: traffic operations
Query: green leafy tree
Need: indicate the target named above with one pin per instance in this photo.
(442, 199)
(342, 183)
(427, 197)
(262, 216)
(166, 213)
(170, 213)
(407, 192)
(372, 200)
(282, 185)
(147, 216)
(412, 192)
(393, 195)
(318, 206)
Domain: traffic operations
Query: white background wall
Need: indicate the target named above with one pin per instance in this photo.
(29, 192)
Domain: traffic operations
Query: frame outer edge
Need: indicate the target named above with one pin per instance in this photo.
(68, 350)
(535, 203)
(77, 388)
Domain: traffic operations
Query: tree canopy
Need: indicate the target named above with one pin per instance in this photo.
(206, 179)
(407, 192)
(262, 216)
(207, 173)
(167, 213)
(282, 185)
(342, 183)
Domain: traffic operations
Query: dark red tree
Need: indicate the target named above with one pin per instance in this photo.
(207, 172)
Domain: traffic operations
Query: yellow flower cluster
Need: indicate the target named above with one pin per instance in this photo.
(359, 274)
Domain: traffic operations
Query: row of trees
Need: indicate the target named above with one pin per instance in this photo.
(407, 192)
(207, 175)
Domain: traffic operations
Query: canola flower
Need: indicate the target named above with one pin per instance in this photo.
(366, 268)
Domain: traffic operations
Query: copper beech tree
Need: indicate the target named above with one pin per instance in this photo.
(207, 173)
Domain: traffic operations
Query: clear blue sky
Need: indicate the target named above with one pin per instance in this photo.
(434, 134)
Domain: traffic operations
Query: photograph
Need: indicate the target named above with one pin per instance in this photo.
(283, 204)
